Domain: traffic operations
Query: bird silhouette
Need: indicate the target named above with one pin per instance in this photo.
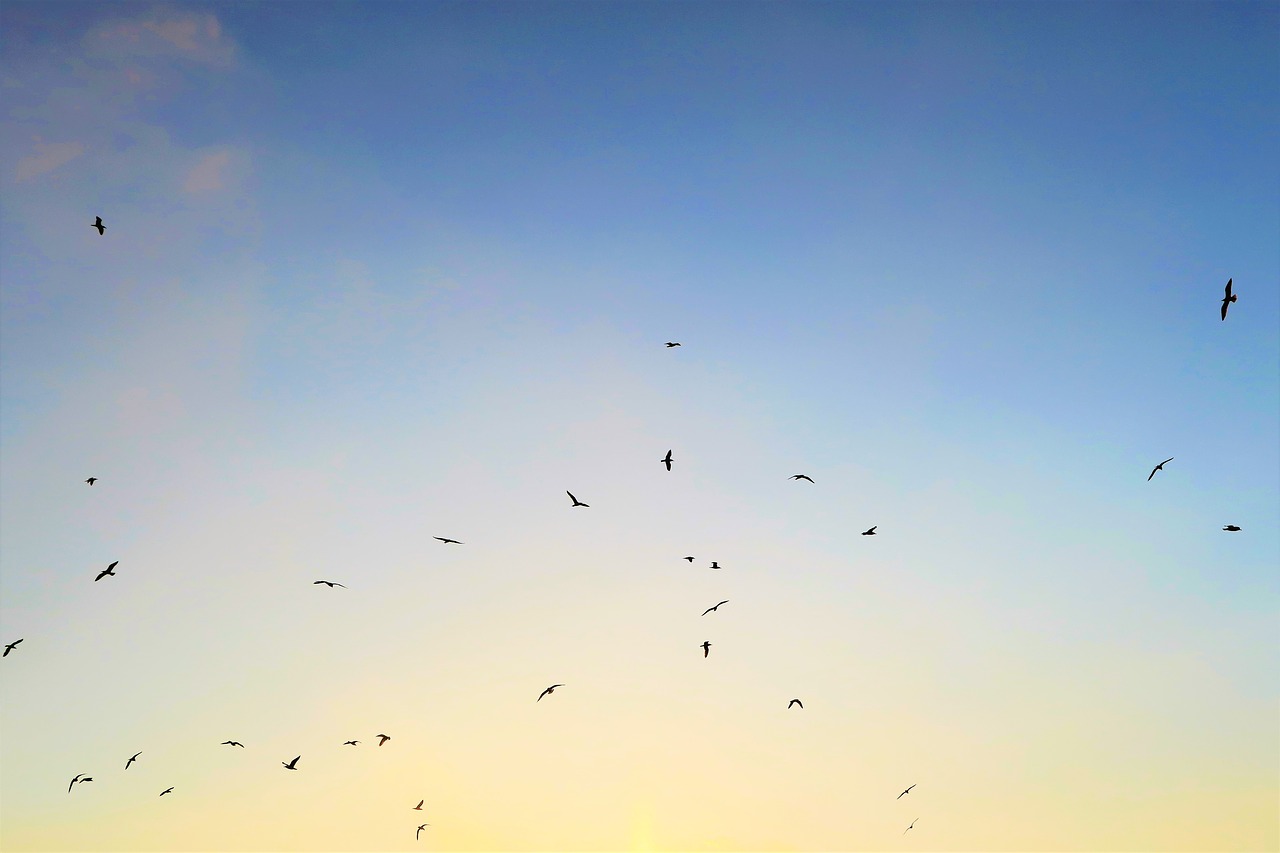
(418, 807)
(713, 609)
(690, 559)
(1230, 527)
(870, 531)
(1159, 467)
(1227, 299)
(576, 502)
(350, 743)
(671, 344)
(716, 565)
(91, 480)
(131, 760)
(908, 829)
(232, 743)
(170, 790)
(796, 702)
(97, 223)
(904, 792)
(666, 460)
(73, 783)
(800, 477)
(548, 690)
(706, 648)
(109, 570)
(291, 765)
(330, 584)
(10, 647)
(383, 739)
(447, 541)
(419, 832)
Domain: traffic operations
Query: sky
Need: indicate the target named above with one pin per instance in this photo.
(375, 273)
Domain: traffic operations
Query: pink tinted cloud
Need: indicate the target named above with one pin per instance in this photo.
(209, 174)
(196, 37)
(46, 157)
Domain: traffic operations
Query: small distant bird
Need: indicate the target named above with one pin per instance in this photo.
(1159, 467)
(131, 760)
(690, 559)
(233, 743)
(109, 570)
(418, 807)
(91, 480)
(292, 765)
(713, 609)
(908, 829)
(548, 690)
(447, 541)
(1230, 527)
(796, 702)
(383, 739)
(419, 832)
(73, 783)
(10, 647)
(1227, 299)
(97, 223)
(904, 792)
(576, 502)
(871, 531)
(666, 460)
(706, 648)
(800, 477)
(170, 790)
(330, 584)
(671, 344)
(350, 743)
(715, 565)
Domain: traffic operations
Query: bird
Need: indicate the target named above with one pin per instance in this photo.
(131, 760)
(232, 743)
(91, 480)
(576, 502)
(690, 559)
(170, 790)
(870, 531)
(908, 829)
(800, 477)
(419, 832)
(671, 344)
(73, 783)
(418, 807)
(715, 565)
(97, 223)
(796, 702)
(109, 570)
(1227, 299)
(1159, 467)
(447, 541)
(350, 743)
(291, 765)
(330, 584)
(666, 460)
(900, 795)
(383, 739)
(706, 648)
(1230, 527)
(548, 690)
(717, 607)
(10, 647)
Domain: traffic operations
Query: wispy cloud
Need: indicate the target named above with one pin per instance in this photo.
(46, 157)
(210, 173)
(195, 37)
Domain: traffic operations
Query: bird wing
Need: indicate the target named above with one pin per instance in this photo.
(1225, 303)
(571, 497)
(1228, 292)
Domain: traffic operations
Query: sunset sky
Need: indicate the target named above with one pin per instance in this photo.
(379, 272)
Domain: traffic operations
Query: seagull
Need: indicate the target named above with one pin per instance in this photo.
(796, 702)
(800, 477)
(418, 807)
(908, 829)
(292, 765)
(91, 480)
(419, 832)
(690, 559)
(170, 790)
(1230, 527)
(109, 570)
(330, 584)
(706, 648)
(717, 607)
(1227, 299)
(900, 795)
(447, 541)
(548, 690)
(715, 564)
(383, 739)
(1159, 467)
(73, 783)
(871, 531)
(97, 223)
(232, 743)
(666, 460)
(350, 743)
(10, 646)
(576, 502)
(671, 344)
(131, 760)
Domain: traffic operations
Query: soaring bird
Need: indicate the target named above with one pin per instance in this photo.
(73, 783)
(292, 765)
(91, 480)
(330, 584)
(419, 832)
(690, 559)
(908, 829)
(666, 460)
(1230, 527)
(10, 646)
(717, 607)
(706, 648)
(170, 790)
(796, 702)
(671, 344)
(870, 531)
(715, 564)
(1158, 468)
(97, 223)
(383, 739)
(109, 570)
(418, 807)
(548, 690)
(800, 477)
(131, 760)
(576, 502)
(1227, 299)
(232, 743)
(447, 541)
(900, 795)
(350, 743)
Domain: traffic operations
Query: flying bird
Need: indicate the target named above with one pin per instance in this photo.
(419, 832)
(548, 690)
(1230, 527)
(712, 609)
(170, 790)
(796, 702)
(666, 460)
(97, 223)
(232, 743)
(706, 648)
(73, 783)
(800, 477)
(908, 829)
(292, 765)
(1159, 467)
(690, 559)
(715, 565)
(383, 739)
(1227, 299)
(131, 760)
(418, 807)
(576, 502)
(109, 570)
(91, 480)
(350, 743)
(904, 792)
(671, 344)
(10, 646)
(447, 541)
(330, 584)
(870, 531)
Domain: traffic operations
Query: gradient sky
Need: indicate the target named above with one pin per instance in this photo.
(375, 273)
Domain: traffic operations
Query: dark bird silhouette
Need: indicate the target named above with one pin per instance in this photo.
(908, 829)
(576, 502)
(800, 477)
(131, 760)
(548, 690)
(170, 790)
(706, 648)
(713, 609)
(10, 647)
(109, 570)
(330, 584)
(447, 541)
(419, 832)
(1227, 299)
(91, 480)
(904, 792)
(73, 783)
(418, 807)
(350, 743)
(383, 739)
(1159, 467)
(233, 743)
(666, 460)
(1230, 527)
(870, 531)
(292, 765)
(715, 564)
(690, 559)
(97, 223)
(796, 702)
(671, 344)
